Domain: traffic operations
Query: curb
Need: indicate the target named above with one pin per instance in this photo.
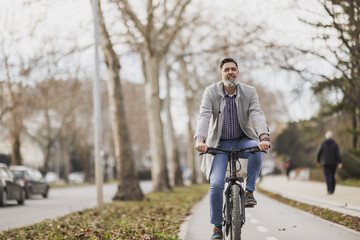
(183, 231)
(184, 227)
(345, 209)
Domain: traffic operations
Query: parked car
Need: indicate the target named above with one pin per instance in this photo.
(76, 177)
(51, 177)
(34, 182)
(10, 188)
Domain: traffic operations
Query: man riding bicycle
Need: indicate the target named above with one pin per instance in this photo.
(224, 120)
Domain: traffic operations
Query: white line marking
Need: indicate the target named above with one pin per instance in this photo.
(261, 229)
(254, 220)
(248, 214)
(271, 238)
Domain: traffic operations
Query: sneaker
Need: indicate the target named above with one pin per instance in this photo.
(218, 234)
(249, 199)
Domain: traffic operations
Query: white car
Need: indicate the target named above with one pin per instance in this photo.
(76, 177)
(51, 177)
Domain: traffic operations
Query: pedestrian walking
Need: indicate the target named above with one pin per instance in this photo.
(287, 166)
(329, 158)
(225, 112)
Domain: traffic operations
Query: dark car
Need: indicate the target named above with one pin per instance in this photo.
(10, 189)
(34, 182)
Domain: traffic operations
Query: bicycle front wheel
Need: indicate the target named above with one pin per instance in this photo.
(235, 213)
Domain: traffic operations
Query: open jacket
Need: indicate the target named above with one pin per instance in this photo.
(210, 121)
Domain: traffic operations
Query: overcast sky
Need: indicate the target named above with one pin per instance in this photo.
(68, 19)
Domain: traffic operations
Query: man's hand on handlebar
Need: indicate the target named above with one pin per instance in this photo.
(200, 145)
(264, 145)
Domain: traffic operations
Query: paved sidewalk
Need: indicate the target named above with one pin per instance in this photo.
(197, 225)
(345, 199)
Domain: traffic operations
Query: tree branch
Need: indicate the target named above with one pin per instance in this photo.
(337, 27)
(177, 26)
(125, 9)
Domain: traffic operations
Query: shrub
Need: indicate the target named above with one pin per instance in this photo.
(351, 165)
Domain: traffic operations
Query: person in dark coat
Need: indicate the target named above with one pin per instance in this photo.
(287, 166)
(329, 157)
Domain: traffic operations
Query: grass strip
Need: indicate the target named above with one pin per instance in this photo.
(350, 182)
(159, 216)
(348, 221)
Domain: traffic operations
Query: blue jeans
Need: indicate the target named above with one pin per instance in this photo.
(218, 171)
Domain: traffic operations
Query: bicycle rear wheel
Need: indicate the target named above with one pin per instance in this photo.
(235, 231)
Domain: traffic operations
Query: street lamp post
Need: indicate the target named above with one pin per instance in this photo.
(97, 115)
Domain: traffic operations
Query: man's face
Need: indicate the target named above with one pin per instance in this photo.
(229, 74)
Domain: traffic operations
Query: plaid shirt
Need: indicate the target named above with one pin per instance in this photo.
(231, 128)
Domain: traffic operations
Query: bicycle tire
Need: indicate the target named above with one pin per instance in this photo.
(235, 233)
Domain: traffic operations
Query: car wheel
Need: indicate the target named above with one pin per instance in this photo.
(28, 193)
(46, 193)
(3, 199)
(21, 201)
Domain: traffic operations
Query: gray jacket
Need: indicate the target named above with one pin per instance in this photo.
(211, 117)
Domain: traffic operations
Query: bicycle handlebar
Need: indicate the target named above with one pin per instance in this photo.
(214, 151)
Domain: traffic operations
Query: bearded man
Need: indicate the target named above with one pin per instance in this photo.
(224, 121)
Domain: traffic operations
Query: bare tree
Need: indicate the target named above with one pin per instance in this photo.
(183, 74)
(128, 183)
(52, 111)
(14, 97)
(76, 139)
(152, 40)
(18, 69)
(173, 145)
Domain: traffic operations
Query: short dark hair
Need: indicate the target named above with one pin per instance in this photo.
(226, 60)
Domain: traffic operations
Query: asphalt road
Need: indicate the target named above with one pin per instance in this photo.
(271, 220)
(61, 201)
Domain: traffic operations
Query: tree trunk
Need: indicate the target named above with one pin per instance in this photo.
(66, 149)
(85, 161)
(173, 152)
(190, 151)
(358, 128)
(49, 145)
(355, 132)
(158, 157)
(128, 186)
(190, 132)
(16, 158)
(15, 126)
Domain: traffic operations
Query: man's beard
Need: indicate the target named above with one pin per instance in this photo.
(229, 83)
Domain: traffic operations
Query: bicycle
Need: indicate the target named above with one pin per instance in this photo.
(234, 205)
